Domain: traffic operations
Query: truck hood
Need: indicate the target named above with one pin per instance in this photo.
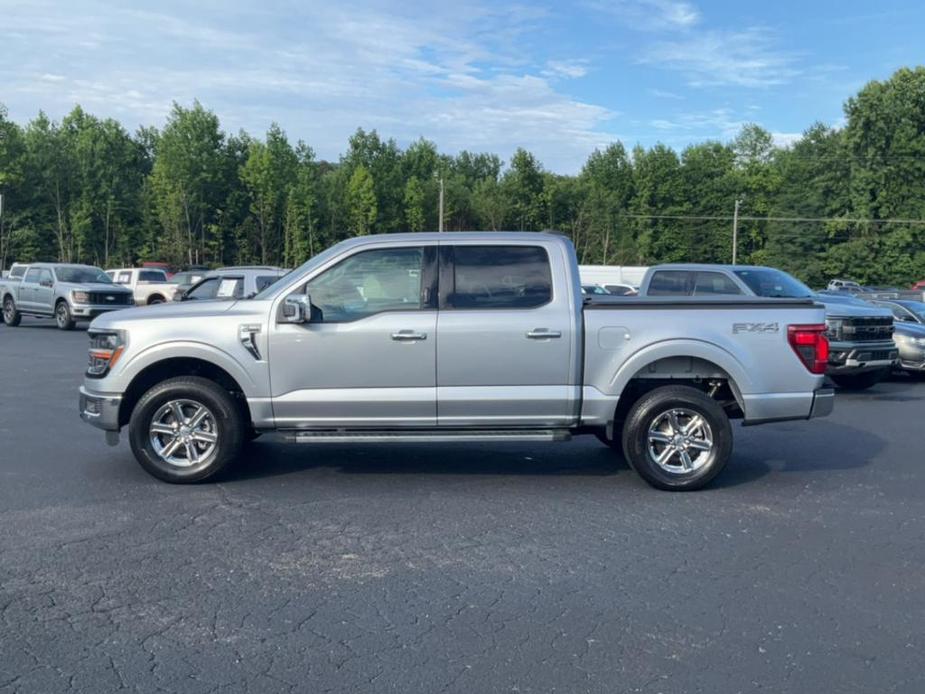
(909, 329)
(848, 307)
(178, 311)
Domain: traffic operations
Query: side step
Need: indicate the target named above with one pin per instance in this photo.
(428, 436)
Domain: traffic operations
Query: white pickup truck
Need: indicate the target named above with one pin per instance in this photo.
(149, 285)
(453, 338)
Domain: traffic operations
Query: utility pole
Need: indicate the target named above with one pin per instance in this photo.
(440, 207)
(735, 232)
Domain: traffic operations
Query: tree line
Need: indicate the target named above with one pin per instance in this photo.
(87, 190)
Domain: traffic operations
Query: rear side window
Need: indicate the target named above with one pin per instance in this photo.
(670, 283)
(500, 277)
(714, 283)
(17, 272)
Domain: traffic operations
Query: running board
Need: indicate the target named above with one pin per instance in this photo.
(428, 436)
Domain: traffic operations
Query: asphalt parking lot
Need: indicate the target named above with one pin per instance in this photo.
(464, 568)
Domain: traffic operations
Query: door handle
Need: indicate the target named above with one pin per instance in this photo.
(408, 336)
(543, 334)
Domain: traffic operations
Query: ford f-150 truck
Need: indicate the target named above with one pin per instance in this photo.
(453, 337)
(861, 349)
(68, 293)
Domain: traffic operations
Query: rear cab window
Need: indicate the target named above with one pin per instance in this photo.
(498, 277)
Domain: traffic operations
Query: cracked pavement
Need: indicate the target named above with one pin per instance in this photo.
(456, 568)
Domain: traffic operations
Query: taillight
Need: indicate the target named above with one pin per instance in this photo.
(811, 346)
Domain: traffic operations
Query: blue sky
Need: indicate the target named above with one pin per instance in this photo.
(557, 78)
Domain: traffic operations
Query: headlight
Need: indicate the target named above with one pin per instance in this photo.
(105, 350)
(834, 328)
(80, 297)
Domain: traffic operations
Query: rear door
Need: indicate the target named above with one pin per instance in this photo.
(504, 338)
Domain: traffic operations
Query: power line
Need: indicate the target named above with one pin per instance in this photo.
(721, 218)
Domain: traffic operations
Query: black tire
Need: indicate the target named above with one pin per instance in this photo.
(224, 420)
(63, 318)
(156, 299)
(861, 381)
(11, 316)
(671, 406)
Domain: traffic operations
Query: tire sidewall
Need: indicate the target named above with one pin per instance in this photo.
(653, 404)
(228, 425)
(14, 318)
(66, 323)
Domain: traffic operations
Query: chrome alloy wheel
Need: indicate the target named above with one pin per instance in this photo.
(9, 310)
(183, 433)
(680, 441)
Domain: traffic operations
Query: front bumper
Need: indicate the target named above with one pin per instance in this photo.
(857, 357)
(90, 311)
(100, 409)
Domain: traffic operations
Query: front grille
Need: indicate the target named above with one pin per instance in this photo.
(880, 355)
(110, 298)
(868, 329)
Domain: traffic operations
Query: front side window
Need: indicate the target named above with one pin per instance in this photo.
(772, 283)
(204, 290)
(45, 278)
(714, 283)
(32, 277)
(369, 282)
(500, 277)
(669, 283)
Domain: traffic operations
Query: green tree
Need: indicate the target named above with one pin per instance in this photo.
(361, 201)
(414, 204)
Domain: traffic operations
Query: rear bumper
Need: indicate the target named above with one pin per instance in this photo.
(766, 408)
(100, 409)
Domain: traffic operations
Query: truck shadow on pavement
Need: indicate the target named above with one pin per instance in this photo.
(805, 448)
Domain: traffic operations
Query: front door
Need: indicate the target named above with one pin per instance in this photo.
(367, 358)
(505, 339)
(43, 293)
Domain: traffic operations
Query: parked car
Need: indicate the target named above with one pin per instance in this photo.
(594, 289)
(149, 286)
(849, 285)
(184, 280)
(453, 337)
(68, 293)
(919, 286)
(229, 283)
(862, 351)
(909, 335)
(13, 277)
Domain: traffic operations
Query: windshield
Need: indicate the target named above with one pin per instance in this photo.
(916, 307)
(774, 283)
(82, 275)
(305, 267)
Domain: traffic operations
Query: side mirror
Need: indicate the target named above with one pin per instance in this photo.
(47, 283)
(297, 308)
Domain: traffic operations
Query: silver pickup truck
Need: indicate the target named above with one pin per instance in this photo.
(452, 337)
(68, 293)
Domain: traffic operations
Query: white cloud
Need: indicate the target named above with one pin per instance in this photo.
(746, 58)
(463, 76)
(650, 15)
(664, 94)
(786, 139)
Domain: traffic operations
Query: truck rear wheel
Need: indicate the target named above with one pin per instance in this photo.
(861, 381)
(63, 318)
(11, 316)
(677, 438)
(186, 429)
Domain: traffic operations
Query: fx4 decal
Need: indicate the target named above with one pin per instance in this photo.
(761, 328)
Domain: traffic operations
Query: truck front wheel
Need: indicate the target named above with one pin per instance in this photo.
(677, 438)
(63, 317)
(186, 429)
